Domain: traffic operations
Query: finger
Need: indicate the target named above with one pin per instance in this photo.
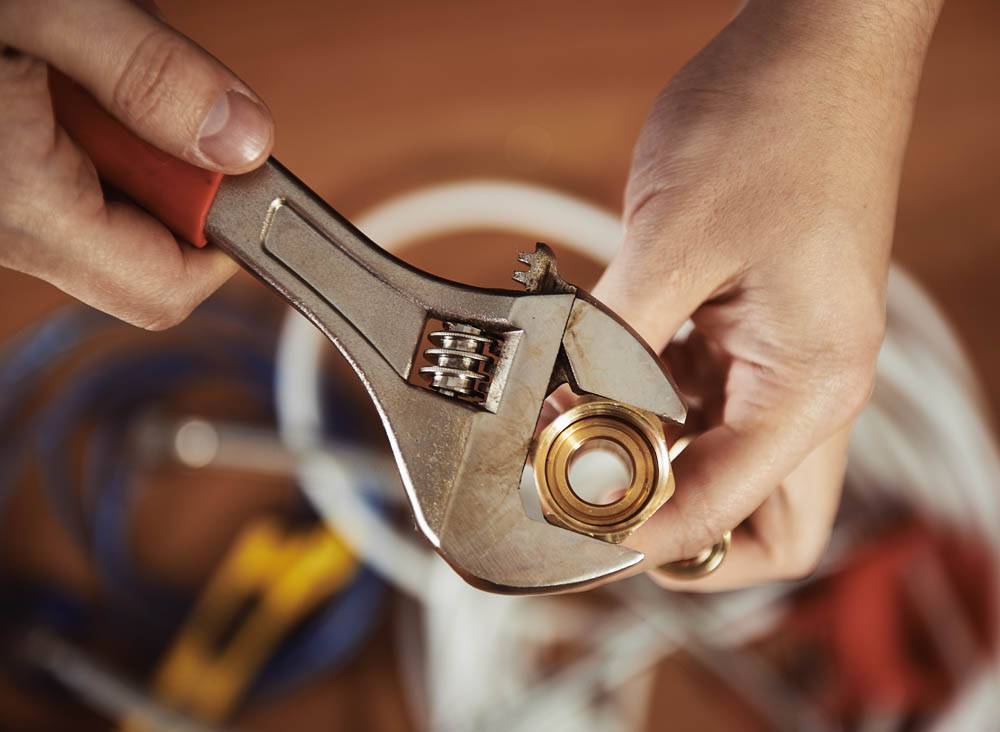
(129, 265)
(699, 368)
(110, 255)
(663, 272)
(154, 80)
(722, 477)
(787, 535)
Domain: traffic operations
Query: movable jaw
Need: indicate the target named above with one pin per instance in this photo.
(462, 466)
(604, 357)
(601, 354)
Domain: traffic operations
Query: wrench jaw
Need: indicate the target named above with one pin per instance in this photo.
(467, 468)
(569, 562)
(601, 355)
(486, 536)
(462, 465)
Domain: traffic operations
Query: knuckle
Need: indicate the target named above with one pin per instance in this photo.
(168, 307)
(799, 562)
(872, 333)
(857, 391)
(21, 74)
(838, 391)
(846, 381)
(867, 331)
(146, 79)
(26, 121)
(798, 554)
(167, 315)
(162, 317)
(849, 389)
(699, 536)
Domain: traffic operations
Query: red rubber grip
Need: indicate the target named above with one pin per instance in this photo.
(175, 192)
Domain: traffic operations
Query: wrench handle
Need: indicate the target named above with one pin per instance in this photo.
(176, 192)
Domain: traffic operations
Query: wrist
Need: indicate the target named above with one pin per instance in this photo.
(846, 66)
(881, 44)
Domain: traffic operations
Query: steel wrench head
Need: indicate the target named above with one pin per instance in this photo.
(560, 335)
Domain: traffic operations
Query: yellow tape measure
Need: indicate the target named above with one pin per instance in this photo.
(269, 581)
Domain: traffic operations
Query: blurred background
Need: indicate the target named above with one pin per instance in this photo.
(162, 568)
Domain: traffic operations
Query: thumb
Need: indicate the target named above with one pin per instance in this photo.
(157, 82)
(663, 272)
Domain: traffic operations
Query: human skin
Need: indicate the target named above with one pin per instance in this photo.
(55, 222)
(760, 205)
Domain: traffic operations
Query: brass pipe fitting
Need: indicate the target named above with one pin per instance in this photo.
(637, 436)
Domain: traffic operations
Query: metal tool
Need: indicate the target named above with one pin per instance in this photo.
(458, 374)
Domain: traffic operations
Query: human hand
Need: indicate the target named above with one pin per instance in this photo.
(761, 205)
(55, 222)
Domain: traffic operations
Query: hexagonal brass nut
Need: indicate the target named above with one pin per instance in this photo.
(639, 439)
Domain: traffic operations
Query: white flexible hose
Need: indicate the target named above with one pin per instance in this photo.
(925, 436)
(541, 214)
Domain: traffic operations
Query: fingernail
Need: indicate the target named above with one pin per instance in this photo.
(236, 131)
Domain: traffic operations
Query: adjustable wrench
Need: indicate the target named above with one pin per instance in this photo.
(460, 436)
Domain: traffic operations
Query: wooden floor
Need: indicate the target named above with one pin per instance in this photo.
(375, 98)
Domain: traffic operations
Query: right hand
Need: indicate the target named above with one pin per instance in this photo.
(761, 206)
(55, 223)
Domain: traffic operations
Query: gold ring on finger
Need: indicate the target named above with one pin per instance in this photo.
(701, 565)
